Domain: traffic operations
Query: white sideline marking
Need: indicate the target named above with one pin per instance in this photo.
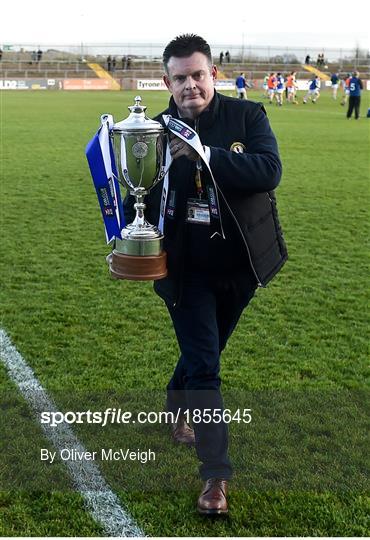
(100, 500)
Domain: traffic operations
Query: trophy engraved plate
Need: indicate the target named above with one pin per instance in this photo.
(138, 151)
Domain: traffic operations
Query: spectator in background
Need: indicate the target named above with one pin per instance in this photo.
(1, 54)
(221, 57)
(128, 62)
(39, 55)
(124, 62)
(355, 87)
(33, 57)
(320, 60)
(109, 63)
(307, 60)
(227, 56)
(334, 84)
(113, 64)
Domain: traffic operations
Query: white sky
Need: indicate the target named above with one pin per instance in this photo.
(324, 23)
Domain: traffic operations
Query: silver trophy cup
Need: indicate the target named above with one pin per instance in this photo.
(138, 150)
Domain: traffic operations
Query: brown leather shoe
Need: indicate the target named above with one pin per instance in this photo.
(212, 500)
(182, 432)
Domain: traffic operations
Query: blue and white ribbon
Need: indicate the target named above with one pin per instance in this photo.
(99, 153)
(168, 163)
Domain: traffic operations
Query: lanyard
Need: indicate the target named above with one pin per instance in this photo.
(198, 179)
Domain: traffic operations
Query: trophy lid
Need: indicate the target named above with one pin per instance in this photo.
(137, 121)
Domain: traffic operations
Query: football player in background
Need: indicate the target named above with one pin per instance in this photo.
(313, 90)
(292, 88)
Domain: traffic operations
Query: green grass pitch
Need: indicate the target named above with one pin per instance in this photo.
(82, 332)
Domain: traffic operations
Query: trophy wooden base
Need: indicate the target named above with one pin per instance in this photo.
(137, 268)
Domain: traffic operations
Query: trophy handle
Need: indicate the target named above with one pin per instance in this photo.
(107, 118)
(164, 171)
(127, 179)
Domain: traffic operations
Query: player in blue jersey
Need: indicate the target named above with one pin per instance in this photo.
(241, 84)
(279, 90)
(355, 87)
(313, 90)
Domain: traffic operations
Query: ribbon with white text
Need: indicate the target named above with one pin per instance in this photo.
(191, 137)
(100, 157)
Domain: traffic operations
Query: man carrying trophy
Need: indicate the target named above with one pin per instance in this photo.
(221, 235)
(210, 235)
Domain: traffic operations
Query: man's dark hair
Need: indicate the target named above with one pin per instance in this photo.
(185, 45)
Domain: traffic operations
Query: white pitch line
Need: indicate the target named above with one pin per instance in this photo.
(100, 500)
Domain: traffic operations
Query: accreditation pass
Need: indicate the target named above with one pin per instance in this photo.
(197, 212)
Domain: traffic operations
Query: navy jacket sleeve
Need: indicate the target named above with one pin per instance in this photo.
(259, 168)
